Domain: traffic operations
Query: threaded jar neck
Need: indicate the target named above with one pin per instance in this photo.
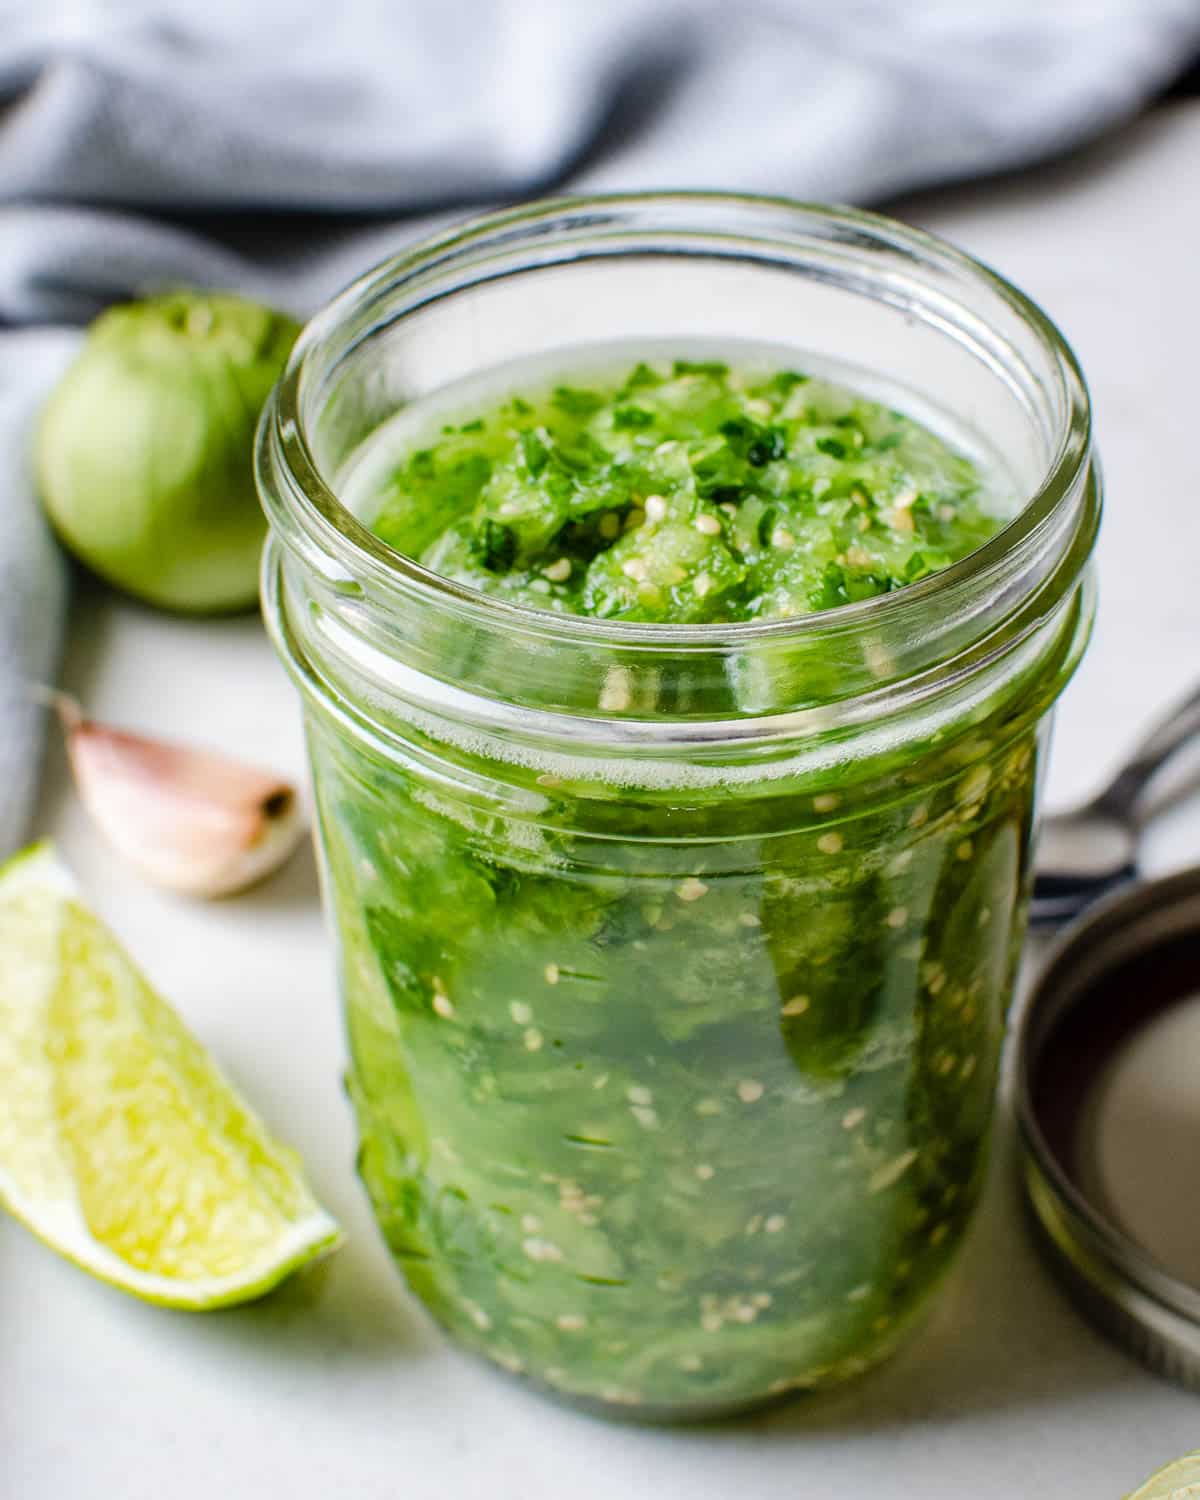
(363, 624)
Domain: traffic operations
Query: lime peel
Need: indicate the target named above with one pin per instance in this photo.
(121, 1146)
(1177, 1481)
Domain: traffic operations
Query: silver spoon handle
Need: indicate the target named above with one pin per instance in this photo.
(1170, 734)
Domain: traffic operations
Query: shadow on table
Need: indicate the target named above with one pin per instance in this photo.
(1059, 172)
(294, 884)
(89, 629)
(345, 1312)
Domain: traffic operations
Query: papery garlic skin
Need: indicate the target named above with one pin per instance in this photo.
(190, 820)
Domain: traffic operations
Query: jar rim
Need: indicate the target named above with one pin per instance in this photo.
(369, 631)
(331, 523)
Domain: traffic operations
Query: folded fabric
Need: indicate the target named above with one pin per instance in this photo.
(277, 148)
(144, 141)
(32, 571)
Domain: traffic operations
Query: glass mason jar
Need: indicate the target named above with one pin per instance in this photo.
(676, 958)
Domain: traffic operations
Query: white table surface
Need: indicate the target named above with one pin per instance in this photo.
(338, 1385)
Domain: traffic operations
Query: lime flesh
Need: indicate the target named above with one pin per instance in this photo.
(121, 1146)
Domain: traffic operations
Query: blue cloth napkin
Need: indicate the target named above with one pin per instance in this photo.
(33, 589)
(144, 141)
(279, 147)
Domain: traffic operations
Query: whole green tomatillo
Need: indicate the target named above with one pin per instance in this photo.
(144, 450)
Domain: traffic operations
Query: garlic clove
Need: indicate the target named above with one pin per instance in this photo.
(190, 820)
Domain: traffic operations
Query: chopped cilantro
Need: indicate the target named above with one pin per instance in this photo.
(495, 546)
(535, 452)
(757, 445)
(578, 403)
(641, 376)
(714, 367)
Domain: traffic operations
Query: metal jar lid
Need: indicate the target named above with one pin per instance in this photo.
(1125, 971)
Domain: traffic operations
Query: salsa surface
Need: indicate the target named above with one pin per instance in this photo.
(685, 491)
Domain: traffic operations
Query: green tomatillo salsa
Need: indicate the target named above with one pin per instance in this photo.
(684, 492)
(675, 1096)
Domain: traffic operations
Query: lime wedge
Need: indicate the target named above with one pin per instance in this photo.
(121, 1146)
(1178, 1481)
